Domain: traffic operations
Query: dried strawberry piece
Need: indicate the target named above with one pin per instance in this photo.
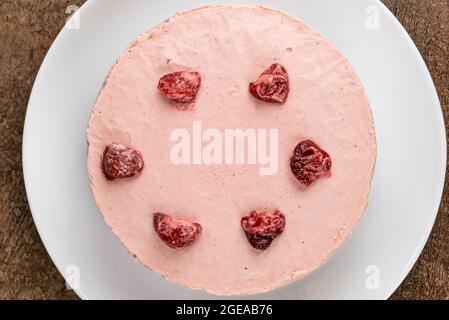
(175, 233)
(182, 86)
(272, 85)
(309, 162)
(120, 161)
(263, 227)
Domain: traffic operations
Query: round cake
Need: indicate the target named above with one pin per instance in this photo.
(231, 149)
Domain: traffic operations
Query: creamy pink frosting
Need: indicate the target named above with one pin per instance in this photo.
(231, 45)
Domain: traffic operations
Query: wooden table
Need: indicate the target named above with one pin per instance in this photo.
(27, 29)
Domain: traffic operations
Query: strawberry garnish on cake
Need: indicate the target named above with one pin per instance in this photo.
(175, 233)
(261, 228)
(272, 85)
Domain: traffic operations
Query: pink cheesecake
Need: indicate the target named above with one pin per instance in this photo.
(160, 164)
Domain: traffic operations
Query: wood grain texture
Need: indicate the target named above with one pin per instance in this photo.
(27, 29)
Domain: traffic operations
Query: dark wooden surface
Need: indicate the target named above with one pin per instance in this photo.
(27, 29)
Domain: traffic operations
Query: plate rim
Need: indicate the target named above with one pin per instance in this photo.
(443, 134)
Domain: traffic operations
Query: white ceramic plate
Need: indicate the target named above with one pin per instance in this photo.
(406, 189)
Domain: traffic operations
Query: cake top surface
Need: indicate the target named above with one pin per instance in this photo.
(230, 46)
